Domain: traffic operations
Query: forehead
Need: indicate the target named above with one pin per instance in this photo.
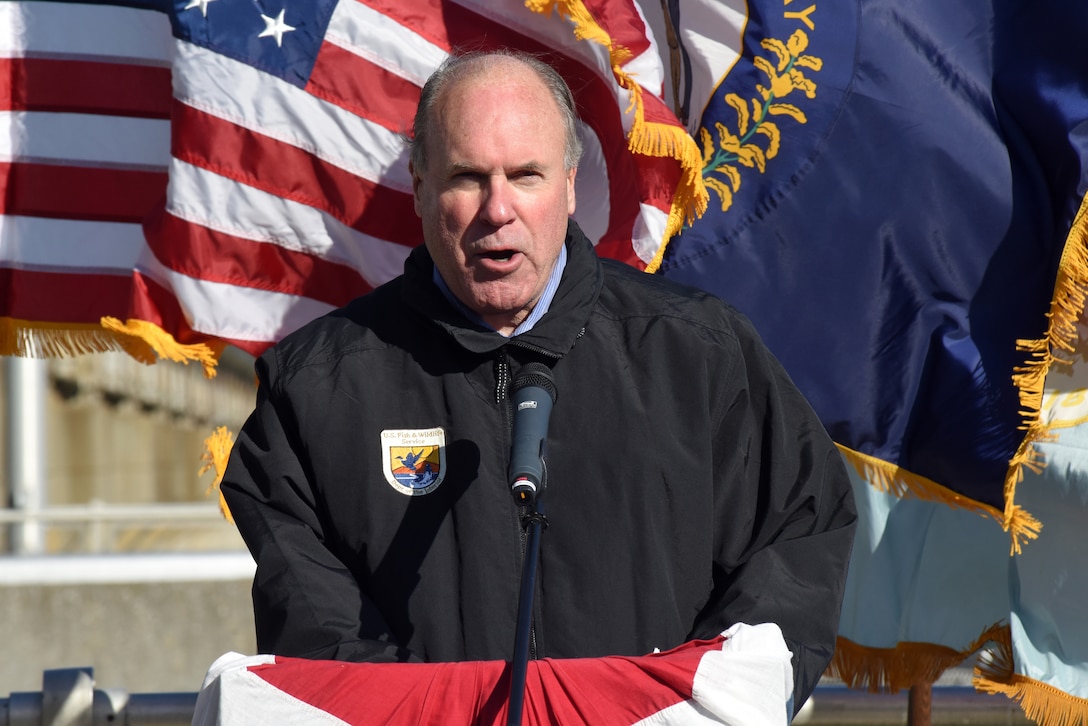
(497, 106)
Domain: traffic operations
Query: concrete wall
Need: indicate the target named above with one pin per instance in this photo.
(140, 638)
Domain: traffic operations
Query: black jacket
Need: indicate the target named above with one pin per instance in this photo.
(690, 485)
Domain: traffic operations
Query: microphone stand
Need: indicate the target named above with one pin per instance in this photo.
(534, 523)
(533, 396)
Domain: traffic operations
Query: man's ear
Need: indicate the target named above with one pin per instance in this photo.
(570, 190)
(417, 180)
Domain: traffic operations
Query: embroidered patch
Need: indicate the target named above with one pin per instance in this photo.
(414, 460)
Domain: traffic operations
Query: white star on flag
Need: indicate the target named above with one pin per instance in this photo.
(202, 4)
(274, 27)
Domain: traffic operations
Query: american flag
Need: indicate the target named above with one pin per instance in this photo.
(84, 148)
(282, 141)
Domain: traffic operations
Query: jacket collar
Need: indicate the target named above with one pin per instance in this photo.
(553, 335)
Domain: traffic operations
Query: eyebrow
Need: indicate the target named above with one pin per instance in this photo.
(457, 167)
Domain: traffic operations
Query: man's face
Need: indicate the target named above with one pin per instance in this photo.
(494, 198)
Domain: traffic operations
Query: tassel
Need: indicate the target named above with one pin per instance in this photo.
(147, 342)
(216, 454)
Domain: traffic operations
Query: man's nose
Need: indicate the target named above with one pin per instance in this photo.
(497, 207)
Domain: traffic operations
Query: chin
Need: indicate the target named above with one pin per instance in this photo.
(497, 299)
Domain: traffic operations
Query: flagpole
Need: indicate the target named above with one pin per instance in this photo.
(920, 705)
(24, 398)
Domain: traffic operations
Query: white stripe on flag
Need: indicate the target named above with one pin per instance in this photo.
(93, 31)
(276, 109)
(85, 138)
(647, 68)
(648, 232)
(369, 34)
(591, 189)
(64, 245)
(234, 694)
(232, 311)
(712, 33)
(218, 203)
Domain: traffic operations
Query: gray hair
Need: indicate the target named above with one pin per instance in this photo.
(457, 67)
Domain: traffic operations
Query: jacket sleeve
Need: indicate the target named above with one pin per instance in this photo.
(306, 602)
(786, 514)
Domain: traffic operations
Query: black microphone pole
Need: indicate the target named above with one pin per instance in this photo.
(534, 394)
(533, 523)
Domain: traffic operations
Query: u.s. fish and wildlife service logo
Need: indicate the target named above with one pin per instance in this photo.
(414, 460)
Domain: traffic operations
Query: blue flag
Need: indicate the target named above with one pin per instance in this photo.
(892, 188)
(893, 194)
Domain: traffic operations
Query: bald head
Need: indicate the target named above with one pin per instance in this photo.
(472, 66)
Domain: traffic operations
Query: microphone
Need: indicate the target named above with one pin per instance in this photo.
(534, 394)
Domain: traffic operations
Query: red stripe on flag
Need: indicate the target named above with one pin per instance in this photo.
(79, 192)
(658, 179)
(289, 172)
(62, 297)
(207, 254)
(81, 86)
(364, 88)
(654, 110)
(429, 19)
(622, 23)
(156, 304)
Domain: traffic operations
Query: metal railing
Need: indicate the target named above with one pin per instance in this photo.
(69, 698)
(100, 527)
(960, 705)
(102, 512)
(141, 567)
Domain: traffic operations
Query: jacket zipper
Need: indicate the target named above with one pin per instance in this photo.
(502, 381)
(502, 385)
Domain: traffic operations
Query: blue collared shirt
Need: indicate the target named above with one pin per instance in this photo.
(535, 314)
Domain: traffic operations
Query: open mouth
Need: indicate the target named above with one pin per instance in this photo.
(499, 255)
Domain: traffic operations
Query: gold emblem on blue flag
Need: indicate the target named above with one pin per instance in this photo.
(723, 150)
(414, 460)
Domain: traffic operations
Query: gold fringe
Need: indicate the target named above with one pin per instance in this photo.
(691, 197)
(147, 342)
(1056, 347)
(216, 453)
(1041, 702)
(144, 341)
(889, 670)
(898, 482)
(31, 339)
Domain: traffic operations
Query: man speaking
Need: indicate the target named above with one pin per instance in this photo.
(689, 485)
